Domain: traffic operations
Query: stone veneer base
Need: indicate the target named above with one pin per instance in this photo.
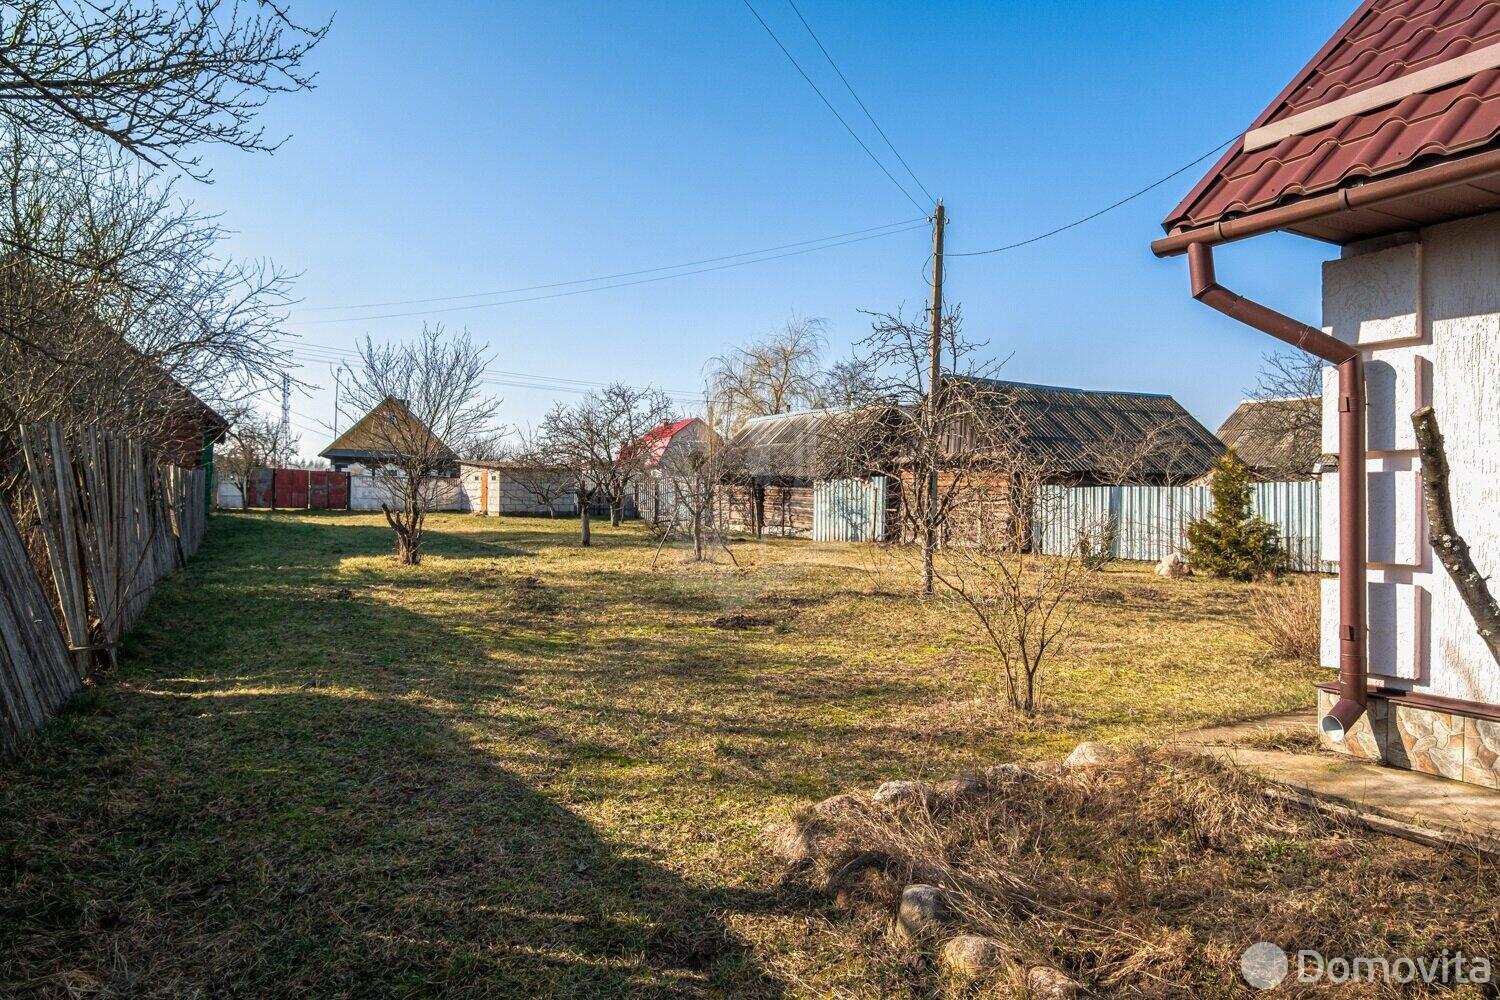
(1448, 744)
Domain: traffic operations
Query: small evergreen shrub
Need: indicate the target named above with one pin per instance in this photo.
(1233, 541)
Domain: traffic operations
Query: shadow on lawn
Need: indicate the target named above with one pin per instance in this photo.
(258, 806)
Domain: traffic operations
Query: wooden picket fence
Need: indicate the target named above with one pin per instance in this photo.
(113, 521)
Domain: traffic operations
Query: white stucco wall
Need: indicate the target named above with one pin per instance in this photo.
(1428, 315)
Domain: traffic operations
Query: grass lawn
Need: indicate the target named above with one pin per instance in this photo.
(524, 768)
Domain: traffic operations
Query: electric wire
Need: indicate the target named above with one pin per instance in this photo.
(611, 277)
(850, 87)
(1092, 216)
(868, 152)
(617, 284)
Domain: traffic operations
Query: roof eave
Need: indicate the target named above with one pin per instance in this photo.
(1380, 192)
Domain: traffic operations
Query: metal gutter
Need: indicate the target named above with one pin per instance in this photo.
(1353, 682)
(1367, 195)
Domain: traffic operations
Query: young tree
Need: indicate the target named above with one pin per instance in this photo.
(777, 373)
(1233, 541)
(539, 471)
(430, 408)
(946, 450)
(156, 79)
(255, 441)
(1021, 601)
(692, 476)
(596, 439)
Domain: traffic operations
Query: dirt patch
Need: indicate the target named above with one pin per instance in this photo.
(740, 621)
(531, 594)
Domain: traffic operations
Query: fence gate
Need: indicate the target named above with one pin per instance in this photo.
(291, 489)
(261, 488)
(328, 490)
(849, 510)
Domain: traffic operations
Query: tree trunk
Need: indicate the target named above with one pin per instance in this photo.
(927, 572)
(697, 536)
(551, 511)
(616, 506)
(1452, 551)
(583, 522)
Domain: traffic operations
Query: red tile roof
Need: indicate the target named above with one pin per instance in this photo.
(1384, 40)
(655, 441)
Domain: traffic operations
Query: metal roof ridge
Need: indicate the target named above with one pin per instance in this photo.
(1065, 388)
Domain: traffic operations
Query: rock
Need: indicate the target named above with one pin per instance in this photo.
(1047, 983)
(962, 785)
(1090, 755)
(1173, 567)
(972, 955)
(1005, 774)
(840, 806)
(922, 911)
(893, 792)
(793, 841)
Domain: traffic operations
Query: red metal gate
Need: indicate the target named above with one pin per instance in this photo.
(328, 490)
(291, 489)
(298, 489)
(260, 488)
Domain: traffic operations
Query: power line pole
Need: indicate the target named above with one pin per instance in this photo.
(934, 382)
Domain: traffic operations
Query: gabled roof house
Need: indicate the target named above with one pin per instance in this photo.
(1277, 438)
(1387, 145)
(367, 443)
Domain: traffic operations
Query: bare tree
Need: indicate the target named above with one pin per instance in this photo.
(947, 451)
(1289, 388)
(847, 383)
(117, 301)
(254, 441)
(156, 79)
(692, 476)
(1022, 602)
(774, 374)
(538, 470)
(431, 407)
(597, 438)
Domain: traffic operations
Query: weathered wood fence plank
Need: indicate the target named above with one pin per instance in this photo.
(113, 522)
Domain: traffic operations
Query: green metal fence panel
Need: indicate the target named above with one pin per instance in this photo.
(849, 510)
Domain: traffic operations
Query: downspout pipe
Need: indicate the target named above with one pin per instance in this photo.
(1353, 684)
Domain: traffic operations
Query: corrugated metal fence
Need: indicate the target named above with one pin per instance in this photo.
(849, 510)
(1150, 522)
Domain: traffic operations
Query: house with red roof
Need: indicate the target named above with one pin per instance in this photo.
(1387, 146)
(659, 451)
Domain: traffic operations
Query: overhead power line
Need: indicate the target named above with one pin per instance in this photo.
(319, 354)
(618, 284)
(1094, 215)
(868, 152)
(850, 87)
(611, 277)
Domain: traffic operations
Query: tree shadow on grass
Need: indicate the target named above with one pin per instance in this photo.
(276, 796)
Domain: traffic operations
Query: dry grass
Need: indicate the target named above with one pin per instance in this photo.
(1143, 878)
(526, 769)
(1288, 616)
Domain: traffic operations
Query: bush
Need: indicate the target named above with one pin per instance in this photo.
(1289, 618)
(1233, 541)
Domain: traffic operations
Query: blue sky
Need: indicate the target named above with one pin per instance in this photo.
(453, 148)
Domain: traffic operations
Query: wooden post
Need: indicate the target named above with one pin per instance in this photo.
(934, 381)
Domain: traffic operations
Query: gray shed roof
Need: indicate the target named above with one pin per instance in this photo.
(1277, 437)
(1065, 430)
(784, 446)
